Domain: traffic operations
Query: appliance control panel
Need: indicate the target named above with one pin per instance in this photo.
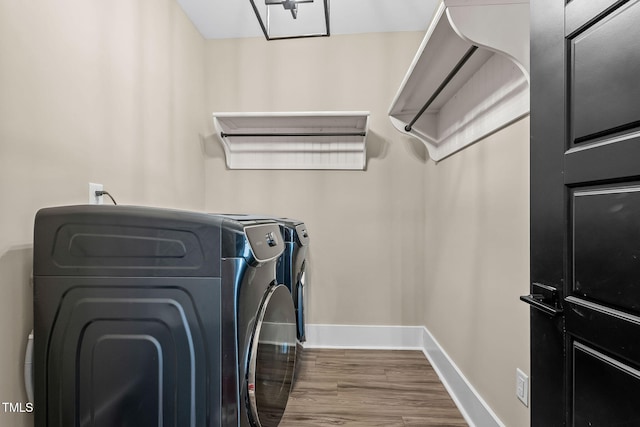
(303, 234)
(265, 241)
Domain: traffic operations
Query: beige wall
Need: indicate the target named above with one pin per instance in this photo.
(102, 91)
(477, 264)
(366, 227)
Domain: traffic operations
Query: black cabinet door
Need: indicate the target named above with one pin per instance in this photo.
(585, 213)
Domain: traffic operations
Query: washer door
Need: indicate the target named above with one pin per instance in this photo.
(300, 294)
(272, 358)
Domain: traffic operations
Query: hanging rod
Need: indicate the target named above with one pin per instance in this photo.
(276, 134)
(440, 88)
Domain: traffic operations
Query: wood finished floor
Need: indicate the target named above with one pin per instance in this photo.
(368, 388)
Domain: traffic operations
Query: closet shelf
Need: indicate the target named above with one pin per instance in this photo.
(293, 140)
(470, 76)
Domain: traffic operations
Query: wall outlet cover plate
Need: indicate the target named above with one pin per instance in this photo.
(93, 199)
(522, 387)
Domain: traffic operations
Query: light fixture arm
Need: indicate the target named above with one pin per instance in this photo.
(291, 5)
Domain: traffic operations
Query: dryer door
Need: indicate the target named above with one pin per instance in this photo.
(300, 301)
(272, 358)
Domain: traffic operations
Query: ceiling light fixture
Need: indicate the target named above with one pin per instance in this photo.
(288, 19)
(291, 5)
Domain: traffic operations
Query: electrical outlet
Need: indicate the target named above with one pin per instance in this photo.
(93, 199)
(522, 387)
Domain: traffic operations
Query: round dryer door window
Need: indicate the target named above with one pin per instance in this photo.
(272, 359)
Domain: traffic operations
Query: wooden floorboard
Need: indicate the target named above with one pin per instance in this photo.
(358, 388)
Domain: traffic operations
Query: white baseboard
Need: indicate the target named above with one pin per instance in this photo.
(363, 336)
(473, 408)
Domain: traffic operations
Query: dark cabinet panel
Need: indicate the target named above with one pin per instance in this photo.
(603, 74)
(605, 390)
(606, 246)
(581, 12)
(592, 162)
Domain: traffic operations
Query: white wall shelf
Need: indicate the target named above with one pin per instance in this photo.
(464, 102)
(293, 140)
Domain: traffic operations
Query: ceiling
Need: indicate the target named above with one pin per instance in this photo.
(219, 19)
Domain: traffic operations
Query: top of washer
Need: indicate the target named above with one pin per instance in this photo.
(246, 218)
(95, 240)
(106, 240)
